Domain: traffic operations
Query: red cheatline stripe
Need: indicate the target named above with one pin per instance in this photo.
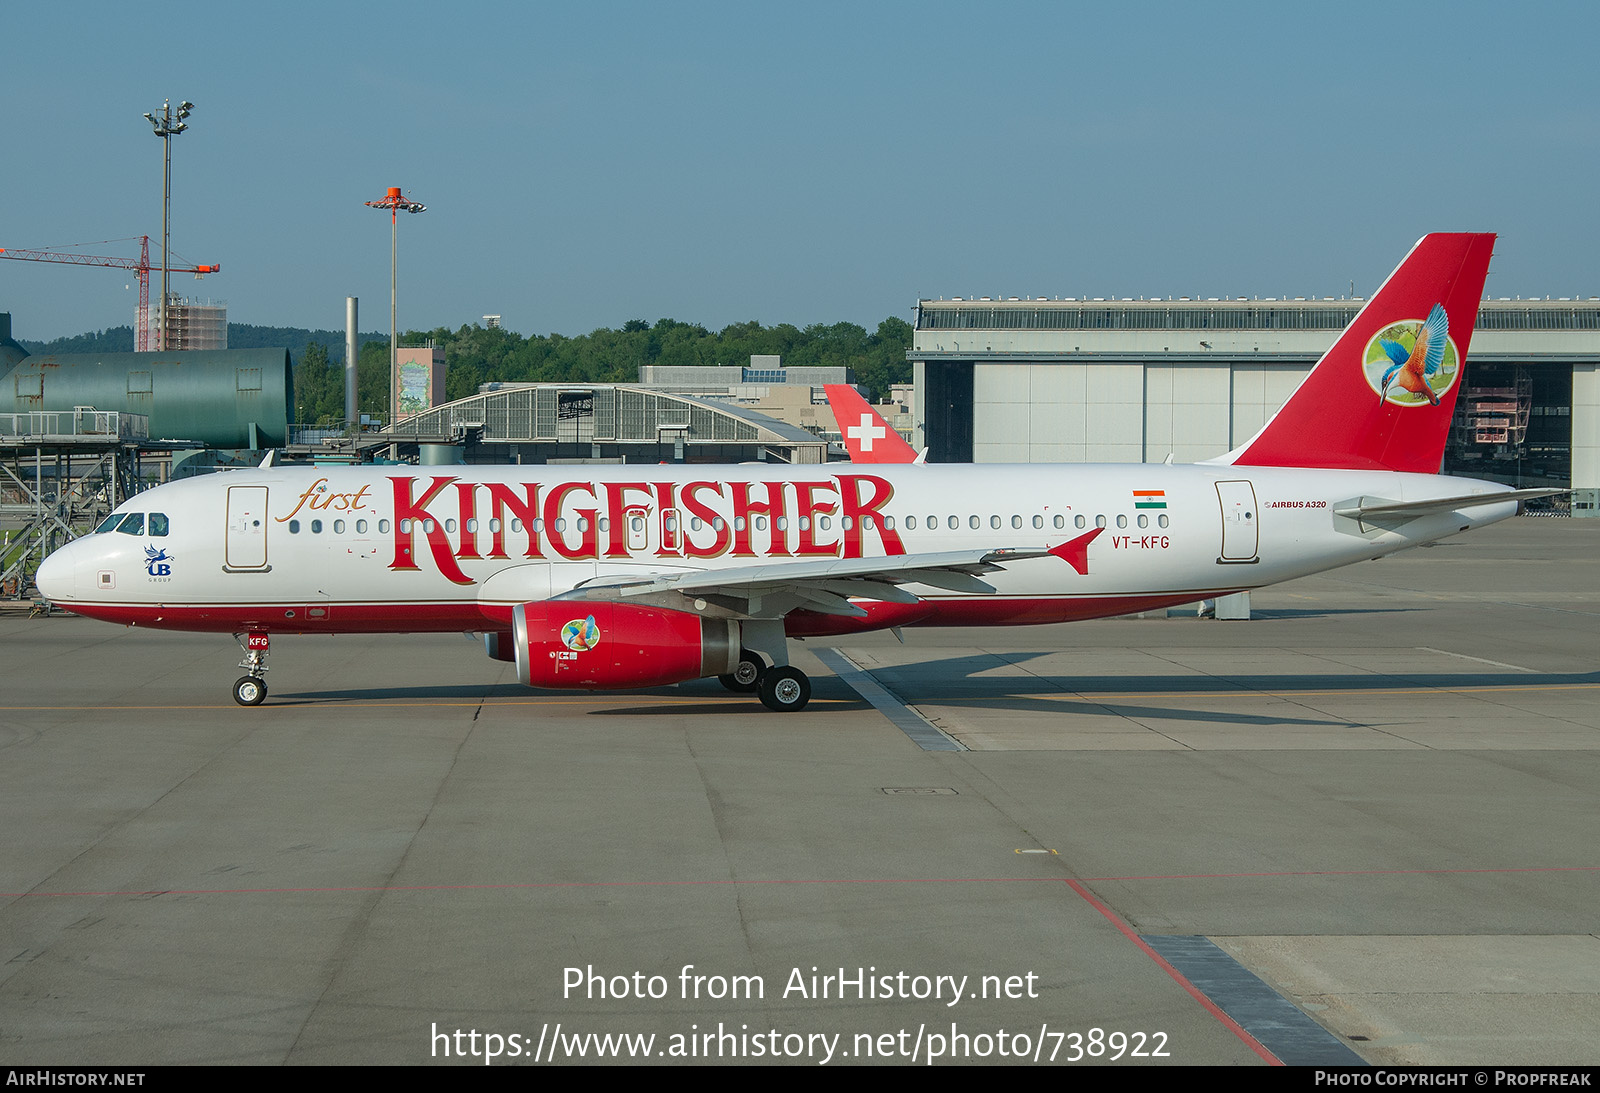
(1195, 992)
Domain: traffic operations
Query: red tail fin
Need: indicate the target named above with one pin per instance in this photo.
(1383, 395)
(866, 435)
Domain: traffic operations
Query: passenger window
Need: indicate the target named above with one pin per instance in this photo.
(866, 521)
(338, 527)
(516, 526)
(1122, 521)
(450, 526)
(1016, 521)
(361, 527)
(1099, 521)
(1038, 521)
(294, 527)
(781, 523)
(383, 527)
(316, 527)
(1077, 521)
(955, 522)
(1144, 521)
(1162, 519)
(888, 523)
(911, 523)
(158, 523)
(974, 522)
(132, 524)
(824, 522)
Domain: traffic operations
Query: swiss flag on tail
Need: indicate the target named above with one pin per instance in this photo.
(1382, 397)
(867, 436)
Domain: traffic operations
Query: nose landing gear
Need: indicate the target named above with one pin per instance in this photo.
(251, 689)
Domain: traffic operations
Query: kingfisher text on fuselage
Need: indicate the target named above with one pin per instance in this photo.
(834, 517)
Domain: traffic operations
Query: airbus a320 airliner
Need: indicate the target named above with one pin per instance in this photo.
(641, 576)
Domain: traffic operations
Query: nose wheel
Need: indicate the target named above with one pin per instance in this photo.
(251, 689)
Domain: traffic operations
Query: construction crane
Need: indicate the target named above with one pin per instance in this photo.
(141, 266)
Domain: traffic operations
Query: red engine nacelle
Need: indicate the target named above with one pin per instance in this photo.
(601, 646)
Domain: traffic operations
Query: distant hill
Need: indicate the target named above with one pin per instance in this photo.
(119, 339)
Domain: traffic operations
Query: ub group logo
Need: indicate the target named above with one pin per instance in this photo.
(580, 635)
(1413, 362)
(155, 562)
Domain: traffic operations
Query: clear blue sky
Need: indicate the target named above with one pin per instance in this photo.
(588, 164)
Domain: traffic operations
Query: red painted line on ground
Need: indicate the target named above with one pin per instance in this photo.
(1178, 977)
(531, 885)
(1353, 873)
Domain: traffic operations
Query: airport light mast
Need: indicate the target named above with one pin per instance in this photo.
(166, 127)
(395, 201)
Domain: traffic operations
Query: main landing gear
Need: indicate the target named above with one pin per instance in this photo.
(784, 689)
(251, 689)
(764, 670)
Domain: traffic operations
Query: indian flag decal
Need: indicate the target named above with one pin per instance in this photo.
(1149, 499)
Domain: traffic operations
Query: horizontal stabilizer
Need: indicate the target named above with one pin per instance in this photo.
(1368, 507)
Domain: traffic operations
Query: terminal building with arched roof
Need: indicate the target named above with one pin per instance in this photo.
(608, 423)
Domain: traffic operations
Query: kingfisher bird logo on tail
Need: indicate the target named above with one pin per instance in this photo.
(1418, 372)
(1413, 364)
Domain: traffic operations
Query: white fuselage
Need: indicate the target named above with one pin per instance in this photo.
(456, 548)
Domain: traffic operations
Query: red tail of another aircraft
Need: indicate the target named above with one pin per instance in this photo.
(867, 436)
(1383, 396)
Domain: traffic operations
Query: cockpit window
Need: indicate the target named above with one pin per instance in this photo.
(109, 522)
(158, 523)
(132, 524)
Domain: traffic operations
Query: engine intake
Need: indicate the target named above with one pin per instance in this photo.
(603, 646)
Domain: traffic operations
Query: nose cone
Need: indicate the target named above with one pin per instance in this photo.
(57, 576)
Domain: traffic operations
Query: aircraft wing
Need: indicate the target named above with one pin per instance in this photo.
(825, 586)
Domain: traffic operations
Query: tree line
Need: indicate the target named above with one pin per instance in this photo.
(476, 355)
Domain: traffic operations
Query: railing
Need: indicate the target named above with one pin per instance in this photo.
(83, 424)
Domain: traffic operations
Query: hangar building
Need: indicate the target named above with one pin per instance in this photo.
(1033, 380)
